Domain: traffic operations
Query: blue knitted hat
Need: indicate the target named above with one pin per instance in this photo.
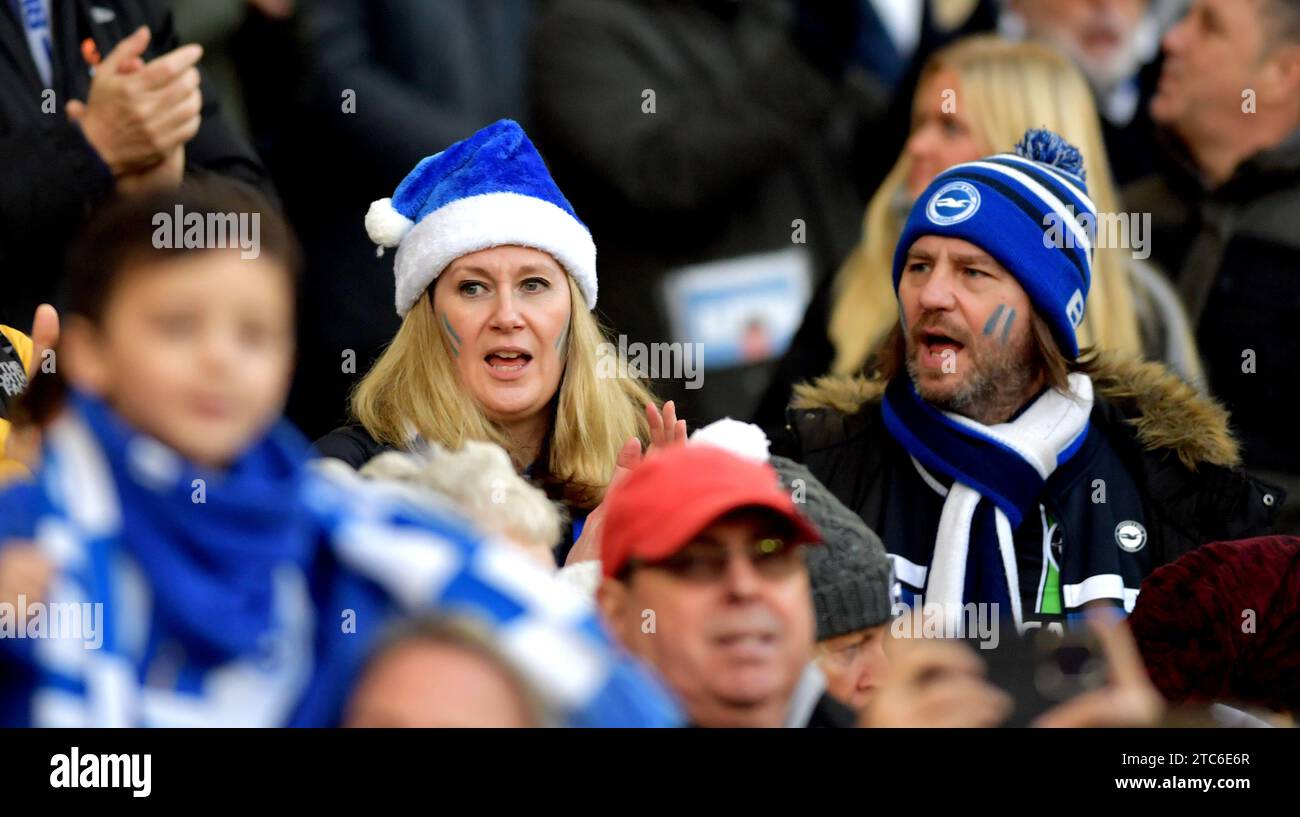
(489, 190)
(1027, 210)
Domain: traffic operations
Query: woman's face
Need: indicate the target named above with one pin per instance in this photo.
(942, 134)
(505, 315)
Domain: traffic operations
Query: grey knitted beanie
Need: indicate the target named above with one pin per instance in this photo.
(849, 572)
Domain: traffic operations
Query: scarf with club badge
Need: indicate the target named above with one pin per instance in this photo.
(998, 472)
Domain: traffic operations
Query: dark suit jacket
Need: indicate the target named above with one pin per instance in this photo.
(52, 177)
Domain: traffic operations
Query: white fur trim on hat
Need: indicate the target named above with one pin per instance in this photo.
(385, 226)
(492, 220)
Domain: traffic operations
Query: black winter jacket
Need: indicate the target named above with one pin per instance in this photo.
(1160, 453)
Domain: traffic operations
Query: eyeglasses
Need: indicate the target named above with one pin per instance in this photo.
(847, 655)
(771, 558)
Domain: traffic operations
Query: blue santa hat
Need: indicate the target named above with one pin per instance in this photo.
(489, 190)
(1025, 209)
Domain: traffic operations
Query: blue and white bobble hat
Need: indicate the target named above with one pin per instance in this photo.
(1015, 207)
(489, 190)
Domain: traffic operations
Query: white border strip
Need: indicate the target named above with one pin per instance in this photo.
(1102, 586)
(908, 572)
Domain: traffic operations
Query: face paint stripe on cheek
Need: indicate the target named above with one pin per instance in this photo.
(455, 339)
(993, 320)
(1006, 328)
(559, 342)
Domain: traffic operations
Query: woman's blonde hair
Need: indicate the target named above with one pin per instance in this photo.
(413, 390)
(1006, 89)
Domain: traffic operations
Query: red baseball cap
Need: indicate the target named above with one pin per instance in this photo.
(673, 495)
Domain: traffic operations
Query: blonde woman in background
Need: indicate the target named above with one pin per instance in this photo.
(974, 98)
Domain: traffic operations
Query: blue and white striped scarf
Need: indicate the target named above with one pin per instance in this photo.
(999, 473)
(222, 593)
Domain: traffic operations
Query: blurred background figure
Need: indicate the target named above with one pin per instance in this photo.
(249, 56)
(384, 84)
(895, 40)
(944, 682)
(15, 366)
(936, 683)
(975, 97)
(442, 672)
(481, 483)
(1116, 44)
(851, 580)
(96, 99)
(1222, 624)
(707, 145)
(1225, 202)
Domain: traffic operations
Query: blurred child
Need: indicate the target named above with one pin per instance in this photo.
(222, 582)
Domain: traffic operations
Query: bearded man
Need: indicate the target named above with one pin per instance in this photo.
(998, 462)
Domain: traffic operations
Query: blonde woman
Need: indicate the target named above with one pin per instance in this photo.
(495, 283)
(973, 98)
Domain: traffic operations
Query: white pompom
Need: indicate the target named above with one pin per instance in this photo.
(745, 440)
(385, 226)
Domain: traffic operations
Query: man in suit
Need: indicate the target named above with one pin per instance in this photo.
(95, 98)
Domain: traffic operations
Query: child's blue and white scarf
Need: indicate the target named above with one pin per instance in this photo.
(252, 596)
(999, 473)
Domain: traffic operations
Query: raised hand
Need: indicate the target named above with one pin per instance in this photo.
(45, 335)
(1128, 698)
(665, 431)
(138, 113)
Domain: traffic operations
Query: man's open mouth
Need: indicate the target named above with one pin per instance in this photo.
(936, 343)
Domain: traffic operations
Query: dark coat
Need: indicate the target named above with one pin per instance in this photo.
(424, 75)
(831, 714)
(52, 176)
(750, 131)
(1163, 452)
(1234, 252)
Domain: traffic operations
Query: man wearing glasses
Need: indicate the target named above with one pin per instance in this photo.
(702, 554)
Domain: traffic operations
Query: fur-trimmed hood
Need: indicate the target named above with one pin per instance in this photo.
(1166, 412)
